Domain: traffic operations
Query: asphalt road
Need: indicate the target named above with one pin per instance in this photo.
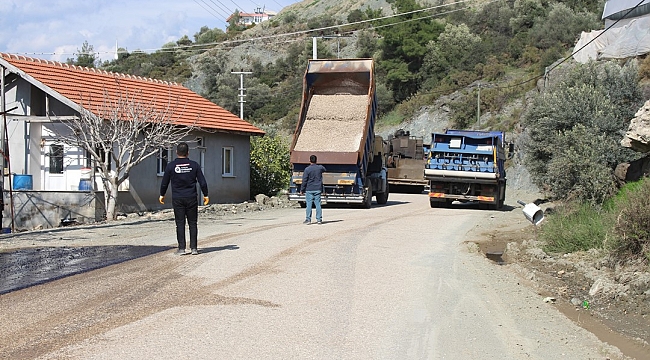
(399, 281)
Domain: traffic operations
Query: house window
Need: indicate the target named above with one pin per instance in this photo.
(227, 161)
(164, 157)
(90, 161)
(56, 159)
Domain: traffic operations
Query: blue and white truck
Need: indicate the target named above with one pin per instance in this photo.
(467, 166)
(336, 123)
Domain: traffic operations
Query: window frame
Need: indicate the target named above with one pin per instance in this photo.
(164, 157)
(54, 156)
(227, 167)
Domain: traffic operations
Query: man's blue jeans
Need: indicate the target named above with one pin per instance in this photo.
(313, 196)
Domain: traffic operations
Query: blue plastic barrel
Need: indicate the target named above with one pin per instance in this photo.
(85, 185)
(23, 182)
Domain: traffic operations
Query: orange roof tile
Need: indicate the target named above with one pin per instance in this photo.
(85, 87)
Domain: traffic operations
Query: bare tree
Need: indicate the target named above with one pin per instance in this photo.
(121, 131)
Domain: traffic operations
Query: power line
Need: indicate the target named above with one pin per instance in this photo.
(206, 46)
(236, 6)
(576, 51)
(280, 5)
(301, 32)
(207, 9)
(222, 7)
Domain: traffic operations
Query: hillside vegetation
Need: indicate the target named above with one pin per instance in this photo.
(570, 133)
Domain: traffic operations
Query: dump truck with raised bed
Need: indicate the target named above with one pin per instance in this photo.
(467, 166)
(336, 123)
(405, 162)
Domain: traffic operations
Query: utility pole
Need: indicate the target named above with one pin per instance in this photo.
(3, 104)
(241, 90)
(478, 106)
(545, 77)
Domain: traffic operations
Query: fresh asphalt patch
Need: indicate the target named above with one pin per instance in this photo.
(27, 267)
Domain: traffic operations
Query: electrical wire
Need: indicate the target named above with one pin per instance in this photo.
(222, 7)
(574, 52)
(275, 36)
(207, 9)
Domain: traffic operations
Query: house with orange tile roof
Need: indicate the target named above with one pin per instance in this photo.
(39, 95)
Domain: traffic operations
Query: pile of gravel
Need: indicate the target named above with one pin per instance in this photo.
(334, 123)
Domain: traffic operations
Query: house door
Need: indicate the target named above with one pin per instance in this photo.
(54, 176)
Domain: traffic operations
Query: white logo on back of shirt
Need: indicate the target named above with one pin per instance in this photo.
(182, 168)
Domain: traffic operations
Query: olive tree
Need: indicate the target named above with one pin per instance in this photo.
(574, 128)
(454, 50)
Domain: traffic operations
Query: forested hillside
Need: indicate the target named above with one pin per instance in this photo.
(428, 51)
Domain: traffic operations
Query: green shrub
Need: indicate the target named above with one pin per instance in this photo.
(573, 131)
(644, 69)
(463, 112)
(270, 166)
(633, 223)
(574, 227)
(578, 170)
(391, 119)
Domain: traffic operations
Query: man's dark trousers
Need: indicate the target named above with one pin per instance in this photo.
(186, 208)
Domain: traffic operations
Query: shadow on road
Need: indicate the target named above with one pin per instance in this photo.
(217, 248)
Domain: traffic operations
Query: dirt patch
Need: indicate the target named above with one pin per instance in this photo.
(610, 301)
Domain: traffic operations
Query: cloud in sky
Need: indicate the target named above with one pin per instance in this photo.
(56, 29)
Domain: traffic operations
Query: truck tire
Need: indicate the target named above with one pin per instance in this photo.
(435, 204)
(498, 202)
(367, 201)
(502, 196)
(382, 198)
(302, 204)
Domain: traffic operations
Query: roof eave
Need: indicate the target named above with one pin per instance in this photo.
(48, 90)
(234, 132)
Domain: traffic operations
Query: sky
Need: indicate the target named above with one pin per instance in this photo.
(56, 29)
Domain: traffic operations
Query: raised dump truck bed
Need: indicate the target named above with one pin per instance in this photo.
(336, 124)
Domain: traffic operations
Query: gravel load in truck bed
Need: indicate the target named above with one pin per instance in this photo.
(333, 123)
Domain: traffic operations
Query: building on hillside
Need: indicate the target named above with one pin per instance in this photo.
(626, 33)
(256, 17)
(40, 96)
(622, 12)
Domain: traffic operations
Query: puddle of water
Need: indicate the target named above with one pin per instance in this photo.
(494, 251)
(603, 332)
(23, 268)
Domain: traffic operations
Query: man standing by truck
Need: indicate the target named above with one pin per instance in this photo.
(312, 187)
(184, 174)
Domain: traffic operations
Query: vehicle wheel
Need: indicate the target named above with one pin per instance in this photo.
(382, 198)
(434, 204)
(502, 197)
(368, 200)
(302, 204)
(499, 200)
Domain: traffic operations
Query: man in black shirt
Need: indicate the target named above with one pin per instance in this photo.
(312, 186)
(184, 174)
